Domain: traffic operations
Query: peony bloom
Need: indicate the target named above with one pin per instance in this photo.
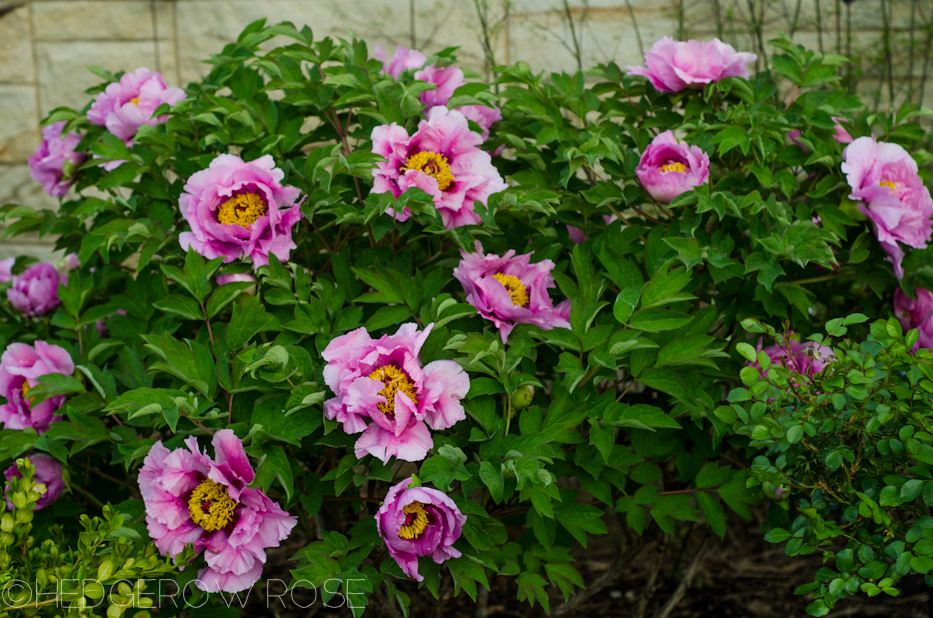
(48, 472)
(916, 314)
(576, 234)
(419, 521)
(237, 208)
(669, 167)
(66, 264)
(129, 103)
(35, 291)
(447, 80)
(483, 116)
(55, 160)
(842, 136)
(193, 499)
(383, 390)
(6, 269)
(805, 358)
(509, 290)
(890, 193)
(20, 367)
(444, 159)
(673, 65)
(402, 60)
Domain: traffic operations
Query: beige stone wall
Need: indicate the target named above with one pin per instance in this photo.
(46, 44)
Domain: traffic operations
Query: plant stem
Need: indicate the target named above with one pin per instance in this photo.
(823, 278)
(88, 496)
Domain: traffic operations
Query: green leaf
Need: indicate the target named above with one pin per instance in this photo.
(565, 577)
(223, 295)
(274, 458)
(465, 574)
(601, 438)
(664, 286)
(578, 519)
(442, 472)
(655, 320)
(713, 513)
(492, 478)
(246, 322)
(180, 305)
(640, 416)
(625, 303)
(777, 535)
(52, 385)
(387, 316)
(531, 587)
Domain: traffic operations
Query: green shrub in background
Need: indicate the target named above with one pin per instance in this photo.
(618, 412)
(849, 449)
(102, 569)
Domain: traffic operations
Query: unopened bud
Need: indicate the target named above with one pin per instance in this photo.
(522, 397)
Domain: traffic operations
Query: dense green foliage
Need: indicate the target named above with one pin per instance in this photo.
(851, 448)
(628, 413)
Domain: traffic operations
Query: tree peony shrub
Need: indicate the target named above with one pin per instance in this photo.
(367, 312)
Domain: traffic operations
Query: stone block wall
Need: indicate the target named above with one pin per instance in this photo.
(46, 45)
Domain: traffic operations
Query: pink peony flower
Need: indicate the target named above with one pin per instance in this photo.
(890, 193)
(805, 358)
(237, 208)
(383, 391)
(842, 136)
(55, 160)
(66, 264)
(442, 158)
(48, 472)
(20, 367)
(792, 135)
(447, 80)
(192, 499)
(576, 234)
(669, 167)
(128, 104)
(6, 269)
(419, 521)
(673, 65)
(509, 290)
(35, 291)
(402, 60)
(916, 314)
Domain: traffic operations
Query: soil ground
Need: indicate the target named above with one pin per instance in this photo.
(740, 576)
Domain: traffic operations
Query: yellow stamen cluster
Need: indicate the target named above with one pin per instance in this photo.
(890, 185)
(135, 100)
(210, 506)
(413, 526)
(394, 380)
(432, 164)
(673, 166)
(26, 389)
(517, 291)
(242, 209)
